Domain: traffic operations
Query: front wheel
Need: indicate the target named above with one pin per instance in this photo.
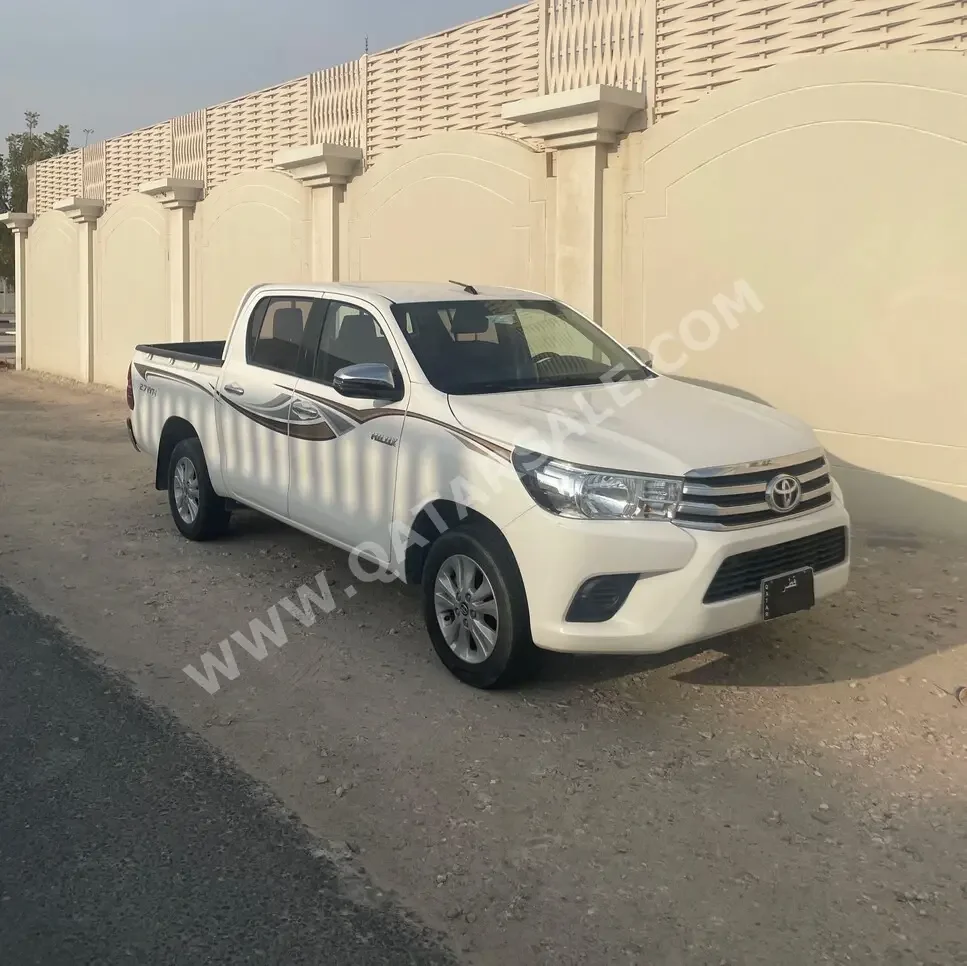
(476, 608)
(198, 511)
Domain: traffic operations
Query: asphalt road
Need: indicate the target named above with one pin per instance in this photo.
(123, 839)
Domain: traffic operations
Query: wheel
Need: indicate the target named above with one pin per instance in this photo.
(198, 511)
(476, 608)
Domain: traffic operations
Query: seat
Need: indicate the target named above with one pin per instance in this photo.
(488, 360)
(281, 350)
(512, 337)
(432, 339)
(358, 341)
(288, 325)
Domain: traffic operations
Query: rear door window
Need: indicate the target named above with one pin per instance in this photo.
(276, 332)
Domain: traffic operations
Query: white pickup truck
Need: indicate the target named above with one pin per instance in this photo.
(543, 483)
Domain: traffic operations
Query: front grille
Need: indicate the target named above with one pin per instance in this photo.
(735, 496)
(743, 573)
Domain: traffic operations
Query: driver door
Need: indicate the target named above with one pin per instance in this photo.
(343, 451)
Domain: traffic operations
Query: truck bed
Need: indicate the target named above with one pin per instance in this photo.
(204, 353)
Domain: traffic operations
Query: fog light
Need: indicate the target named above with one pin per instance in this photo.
(600, 598)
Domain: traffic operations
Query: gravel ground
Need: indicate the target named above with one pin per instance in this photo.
(793, 794)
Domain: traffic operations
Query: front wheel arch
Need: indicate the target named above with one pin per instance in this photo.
(513, 656)
(426, 530)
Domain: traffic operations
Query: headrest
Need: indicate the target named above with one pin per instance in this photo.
(469, 319)
(354, 321)
(428, 326)
(357, 329)
(288, 325)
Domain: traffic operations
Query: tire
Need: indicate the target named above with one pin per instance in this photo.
(512, 656)
(188, 477)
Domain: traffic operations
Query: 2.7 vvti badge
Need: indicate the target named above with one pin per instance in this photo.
(543, 483)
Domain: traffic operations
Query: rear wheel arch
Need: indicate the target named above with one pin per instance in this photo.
(175, 430)
(197, 510)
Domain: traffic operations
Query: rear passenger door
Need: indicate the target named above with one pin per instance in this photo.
(255, 394)
(343, 451)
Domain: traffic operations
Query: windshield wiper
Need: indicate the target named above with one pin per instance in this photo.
(635, 375)
(553, 382)
(475, 388)
(589, 379)
(575, 379)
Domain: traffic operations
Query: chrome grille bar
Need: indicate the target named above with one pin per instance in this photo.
(775, 465)
(753, 489)
(713, 510)
(729, 497)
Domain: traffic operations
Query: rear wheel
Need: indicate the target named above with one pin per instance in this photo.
(198, 511)
(476, 609)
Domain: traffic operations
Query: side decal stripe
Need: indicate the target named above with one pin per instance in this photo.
(147, 371)
(276, 425)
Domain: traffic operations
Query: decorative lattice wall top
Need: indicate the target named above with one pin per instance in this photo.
(460, 79)
(703, 44)
(247, 133)
(31, 189)
(57, 179)
(188, 151)
(595, 42)
(94, 158)
(135, 158)
(337, 105)
(455, 80)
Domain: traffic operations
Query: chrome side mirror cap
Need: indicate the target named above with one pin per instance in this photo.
(368, 380)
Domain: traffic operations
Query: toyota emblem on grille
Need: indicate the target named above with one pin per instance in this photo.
(784, 493)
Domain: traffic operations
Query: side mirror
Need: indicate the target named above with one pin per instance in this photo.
(643, 356)
(368, 380)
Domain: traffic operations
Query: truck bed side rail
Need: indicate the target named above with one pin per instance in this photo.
(202, 353)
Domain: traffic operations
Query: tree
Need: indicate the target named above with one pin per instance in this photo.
(24, 149)
(4, 186)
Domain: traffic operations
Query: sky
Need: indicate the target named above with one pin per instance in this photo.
(117, 65)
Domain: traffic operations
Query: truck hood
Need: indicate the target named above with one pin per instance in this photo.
(668, 427)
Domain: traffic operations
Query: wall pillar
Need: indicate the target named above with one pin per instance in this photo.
(579, 126)
(84, 212)
(178, 196)
(18, 223)
(326, 169)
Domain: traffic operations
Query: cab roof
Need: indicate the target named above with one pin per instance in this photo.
(408, 291)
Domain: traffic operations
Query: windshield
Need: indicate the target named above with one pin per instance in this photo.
(479, 346)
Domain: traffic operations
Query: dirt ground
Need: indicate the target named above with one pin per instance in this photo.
(789, 795)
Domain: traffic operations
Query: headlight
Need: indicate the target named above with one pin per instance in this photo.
(592, 494)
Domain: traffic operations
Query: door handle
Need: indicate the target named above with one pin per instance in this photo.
(234, 388)
(304, 409)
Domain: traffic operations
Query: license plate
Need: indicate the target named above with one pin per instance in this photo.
(788, 594)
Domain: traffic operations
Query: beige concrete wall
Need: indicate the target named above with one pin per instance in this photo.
(131, 291)
(828, 187)
(834, 187)
(253, 228)
(52, 334)
(461, 205)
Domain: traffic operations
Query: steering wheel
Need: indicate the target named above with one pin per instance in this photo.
(545, 357)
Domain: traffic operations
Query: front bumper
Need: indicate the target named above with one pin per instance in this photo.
(664, 609)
